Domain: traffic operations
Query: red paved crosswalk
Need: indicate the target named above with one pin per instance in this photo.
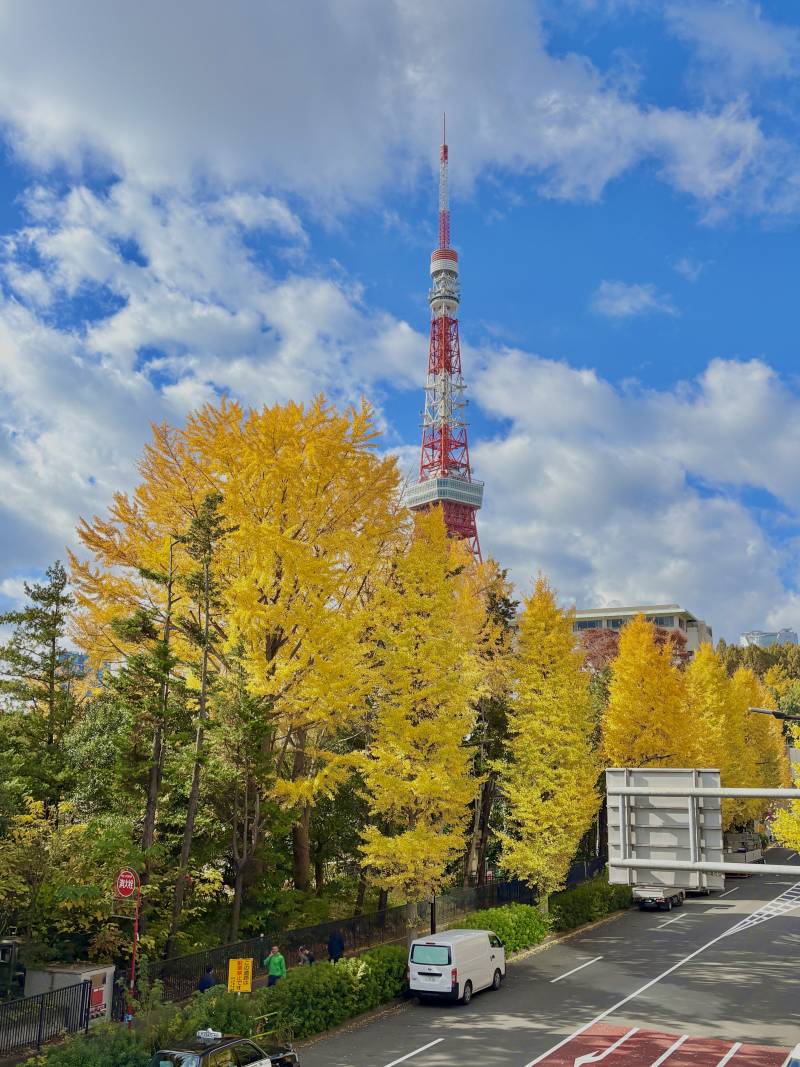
(616, 1046)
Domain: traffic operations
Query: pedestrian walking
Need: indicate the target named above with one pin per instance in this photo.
(306, 956)
(335, 946)
(276, 966)
(207, 980)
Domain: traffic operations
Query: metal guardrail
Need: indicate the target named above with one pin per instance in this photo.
(31, 1021)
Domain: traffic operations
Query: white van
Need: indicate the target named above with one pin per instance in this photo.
(456, 964)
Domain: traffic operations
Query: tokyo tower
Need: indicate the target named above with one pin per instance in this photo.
(445, 475)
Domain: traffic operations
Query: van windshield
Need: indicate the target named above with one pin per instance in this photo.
(438, 955)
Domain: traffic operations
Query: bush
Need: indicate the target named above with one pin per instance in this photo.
(518, 925)
(109, 1045)
(588, 902)
(308, 1000)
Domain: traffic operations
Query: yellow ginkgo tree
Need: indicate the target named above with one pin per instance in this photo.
(425, 679)
(645, 722)
(549, 773)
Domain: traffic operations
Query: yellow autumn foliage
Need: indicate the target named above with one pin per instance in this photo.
(425, 679)
(645, 723)
(550, 772)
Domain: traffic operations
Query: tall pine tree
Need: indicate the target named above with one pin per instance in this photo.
(38, 699)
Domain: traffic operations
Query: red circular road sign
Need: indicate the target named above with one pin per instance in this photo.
(126, 883)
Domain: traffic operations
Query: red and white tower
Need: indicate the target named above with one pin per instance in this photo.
(445, 475)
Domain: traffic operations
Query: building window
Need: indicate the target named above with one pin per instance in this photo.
(667, 621)
(589, 624)
(615, 624)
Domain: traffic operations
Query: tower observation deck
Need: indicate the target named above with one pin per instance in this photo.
(445, 475)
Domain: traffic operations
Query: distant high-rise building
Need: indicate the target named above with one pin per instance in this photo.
(765, 638)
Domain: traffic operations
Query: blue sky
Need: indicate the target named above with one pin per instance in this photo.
(192, 204)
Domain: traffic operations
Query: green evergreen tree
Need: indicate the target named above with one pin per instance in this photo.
(38, 698)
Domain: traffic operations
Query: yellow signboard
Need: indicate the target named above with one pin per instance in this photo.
(240, 976)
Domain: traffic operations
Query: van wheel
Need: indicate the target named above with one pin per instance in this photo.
(498, 978)
(466, 996)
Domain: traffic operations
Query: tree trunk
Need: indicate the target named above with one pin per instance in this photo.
(471, 856)
(361, 893)
(194, 793)
(319, 876)
(236, 911)
(383, 899)
(301, 851)
(487, 799)
(156, 772)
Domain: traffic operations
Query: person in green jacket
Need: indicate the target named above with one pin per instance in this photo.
(276, 966)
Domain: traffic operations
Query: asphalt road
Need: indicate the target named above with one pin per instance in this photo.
(725, 967)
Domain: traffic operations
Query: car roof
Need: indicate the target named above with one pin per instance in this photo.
(450, 936)
(198, 1045)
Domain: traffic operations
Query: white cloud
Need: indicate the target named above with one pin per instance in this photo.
(635, 496)
(734, 42)
(690, 268)
(335, 102)
(13, 590)
(620, 300)
(184, 311)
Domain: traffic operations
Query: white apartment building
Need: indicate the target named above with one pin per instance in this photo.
(765, 638)
(667, 616)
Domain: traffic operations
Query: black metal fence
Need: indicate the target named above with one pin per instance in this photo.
(29, 1022)
(181, 974)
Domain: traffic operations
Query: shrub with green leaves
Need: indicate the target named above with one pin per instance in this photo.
(588, 902)
(307, 1001)
(518, 925)
(108, 1045)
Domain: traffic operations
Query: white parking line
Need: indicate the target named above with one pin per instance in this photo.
(574, 969)
(654, 981)
(416, 1052)
(669, 922)
(735, 889)
(595, 1057)
(666, 1055)
(730, 1054)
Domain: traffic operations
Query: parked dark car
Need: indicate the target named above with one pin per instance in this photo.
(213, 1049)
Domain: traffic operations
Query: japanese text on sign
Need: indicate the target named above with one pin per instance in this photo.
(240, 976)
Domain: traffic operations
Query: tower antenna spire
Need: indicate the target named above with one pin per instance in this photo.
(444, 194)
(445, 474)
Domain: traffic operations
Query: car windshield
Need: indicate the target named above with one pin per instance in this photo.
(438, 955)
(175, 1059)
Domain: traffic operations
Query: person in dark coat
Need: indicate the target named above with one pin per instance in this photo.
(306, 956)
(208, 980)
(335, 946)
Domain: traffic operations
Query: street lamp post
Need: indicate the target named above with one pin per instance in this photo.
(775, 714)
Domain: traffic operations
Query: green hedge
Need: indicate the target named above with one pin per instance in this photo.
(308, 1000)
(109, 1045)
(588, 902)
(518, 925)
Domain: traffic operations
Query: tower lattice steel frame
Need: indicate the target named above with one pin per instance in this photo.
(445, 474)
